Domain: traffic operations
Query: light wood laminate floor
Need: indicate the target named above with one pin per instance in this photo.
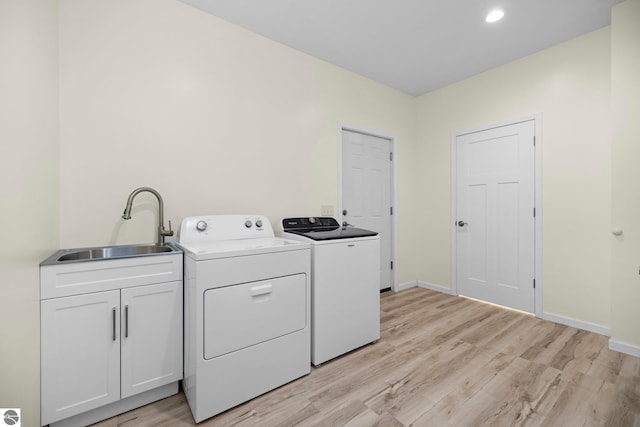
(444, 361)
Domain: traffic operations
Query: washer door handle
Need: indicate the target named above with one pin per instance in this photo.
(261, 290)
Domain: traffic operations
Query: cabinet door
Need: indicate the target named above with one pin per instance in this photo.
(80, 350)
(151, 336)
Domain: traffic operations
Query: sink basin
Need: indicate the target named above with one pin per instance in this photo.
(107, 252)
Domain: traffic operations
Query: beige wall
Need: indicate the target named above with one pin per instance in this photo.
(29, 190)
(626, 175)
(570, 85)
(216, 118)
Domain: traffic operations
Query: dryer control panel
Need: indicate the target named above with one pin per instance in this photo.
(213, 228)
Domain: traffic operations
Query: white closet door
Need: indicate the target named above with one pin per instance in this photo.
(366, 190)
(495, 209)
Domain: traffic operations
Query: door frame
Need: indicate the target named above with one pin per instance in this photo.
(394, 179)
(537, 119)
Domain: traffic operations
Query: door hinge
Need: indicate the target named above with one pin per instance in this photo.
(534, 283)
(534, 212)
(390, 210)
(534, 140)
(391, 156)
(392, 265)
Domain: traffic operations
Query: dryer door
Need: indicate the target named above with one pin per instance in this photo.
(243, 315)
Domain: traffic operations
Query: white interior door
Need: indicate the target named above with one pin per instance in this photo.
(495, 225)
(366, 191)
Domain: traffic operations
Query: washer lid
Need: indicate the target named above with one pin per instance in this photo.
(323, 228)
(239, 247)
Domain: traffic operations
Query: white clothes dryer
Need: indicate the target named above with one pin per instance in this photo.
(247, 310)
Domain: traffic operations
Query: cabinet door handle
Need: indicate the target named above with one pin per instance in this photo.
(126, 321)
(113, 313)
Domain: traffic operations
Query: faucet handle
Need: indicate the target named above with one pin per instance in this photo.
(168, 232)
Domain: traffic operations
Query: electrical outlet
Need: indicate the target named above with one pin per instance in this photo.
(326, 210)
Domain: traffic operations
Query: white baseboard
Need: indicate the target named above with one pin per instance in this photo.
(435, 287)
(624, 347)
(575, 323)
(406, 285)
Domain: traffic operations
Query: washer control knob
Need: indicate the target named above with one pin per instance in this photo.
(259, 223)
(201, 225)
(248, 223)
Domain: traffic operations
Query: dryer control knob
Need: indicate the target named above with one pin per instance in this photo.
(201, 225)
(259, 223)
(248, 223)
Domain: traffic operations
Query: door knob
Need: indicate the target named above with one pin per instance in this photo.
(461, 223)
(344, 212)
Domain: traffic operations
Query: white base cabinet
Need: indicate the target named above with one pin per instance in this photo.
(151, 344)
(80, 354)
(103, 347)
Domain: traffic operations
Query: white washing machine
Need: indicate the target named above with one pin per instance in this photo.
(345, 284)
(247, 310)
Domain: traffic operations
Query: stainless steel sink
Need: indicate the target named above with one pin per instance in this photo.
(108, 252)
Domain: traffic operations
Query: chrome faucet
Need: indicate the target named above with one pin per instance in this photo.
(162, 232)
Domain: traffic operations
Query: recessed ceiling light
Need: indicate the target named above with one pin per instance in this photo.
(494, 16)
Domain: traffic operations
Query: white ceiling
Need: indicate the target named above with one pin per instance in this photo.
(414, 46)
